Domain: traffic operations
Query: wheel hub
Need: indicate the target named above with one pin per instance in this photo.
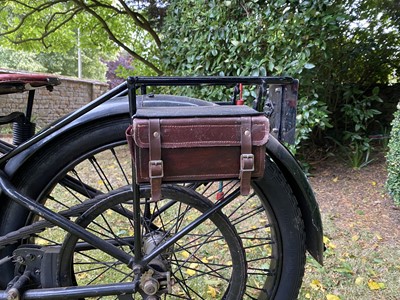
(156, 280)
(150, 242)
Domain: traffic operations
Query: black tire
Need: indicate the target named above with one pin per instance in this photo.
(268, 222)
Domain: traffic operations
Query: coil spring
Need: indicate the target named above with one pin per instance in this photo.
(22, 131)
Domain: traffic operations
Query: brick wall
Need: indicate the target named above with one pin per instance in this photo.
(49, 106)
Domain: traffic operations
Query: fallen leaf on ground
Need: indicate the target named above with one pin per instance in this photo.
(212, 291)
(373, 285)
(332, 297)
(316, 284)
(185, 254)
(359, 281)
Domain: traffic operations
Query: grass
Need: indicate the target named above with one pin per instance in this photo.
(361, 230)
(357, 266)
(6, 129)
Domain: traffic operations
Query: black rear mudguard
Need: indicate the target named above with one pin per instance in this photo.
(304, 194)
(281, 156)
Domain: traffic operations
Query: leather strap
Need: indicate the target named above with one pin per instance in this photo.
(246, 157)
(156, 166)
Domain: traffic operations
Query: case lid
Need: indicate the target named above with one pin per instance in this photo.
(201, 131)
(196, 111)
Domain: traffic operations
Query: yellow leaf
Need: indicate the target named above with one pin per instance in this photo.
(82, 275)
(355, 238)
(204, 260)
(326, 240)
(328, 243)
(359, 281)
(331, 245)
(212, 292)
(192, 269)
(193, 265)
(190, 272)
(378, 236)
(332, 297)
(373, 285)
(185, 254)
(335, 179)
(263, 221)
(373, 183)
(308, 296)
(316, 284)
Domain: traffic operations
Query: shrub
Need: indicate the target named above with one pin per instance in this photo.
(393, 159)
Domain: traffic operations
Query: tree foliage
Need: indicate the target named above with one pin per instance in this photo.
(54, 62)
(256, 38)
(19, 60)
(117, 69)
(338, 49)
(393, 161)
(105, 26)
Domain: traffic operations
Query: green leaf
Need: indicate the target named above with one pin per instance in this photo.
(309, 66)
(235, 43)
(270, 65)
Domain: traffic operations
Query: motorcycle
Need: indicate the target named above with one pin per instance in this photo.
(75, 223)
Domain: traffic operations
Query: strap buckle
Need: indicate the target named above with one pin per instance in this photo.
(156, 169)
(246, 163)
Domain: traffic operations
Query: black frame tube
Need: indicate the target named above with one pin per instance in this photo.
(207, 80)
(29, 106)
(76, 292)
(135, 186)
(63, 222)
(143, 82)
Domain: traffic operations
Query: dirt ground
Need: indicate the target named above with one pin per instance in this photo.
(356, 198)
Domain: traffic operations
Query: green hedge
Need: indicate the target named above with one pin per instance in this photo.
(393, 159)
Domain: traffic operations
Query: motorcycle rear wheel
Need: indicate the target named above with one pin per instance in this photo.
(268, 222)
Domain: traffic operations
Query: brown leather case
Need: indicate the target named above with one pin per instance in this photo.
(197, 144)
